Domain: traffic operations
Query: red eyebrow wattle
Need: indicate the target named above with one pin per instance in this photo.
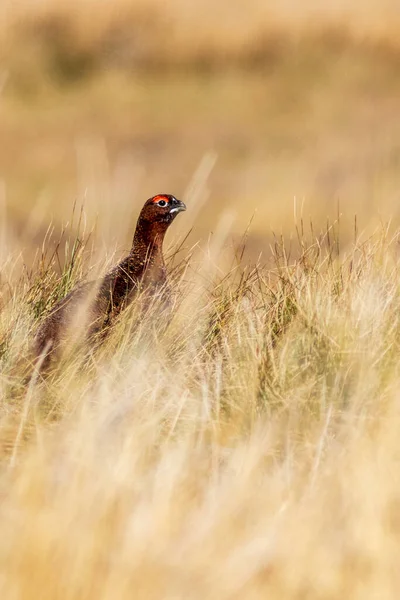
(161, 197)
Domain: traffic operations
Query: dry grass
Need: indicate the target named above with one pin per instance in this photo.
(248, 451)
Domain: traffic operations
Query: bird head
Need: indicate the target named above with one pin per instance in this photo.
(161, 209)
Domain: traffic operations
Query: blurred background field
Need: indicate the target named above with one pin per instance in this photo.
(240, 107)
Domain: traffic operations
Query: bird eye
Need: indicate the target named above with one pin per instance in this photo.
(161, 203)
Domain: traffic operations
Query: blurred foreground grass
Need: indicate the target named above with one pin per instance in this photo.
(248, 451)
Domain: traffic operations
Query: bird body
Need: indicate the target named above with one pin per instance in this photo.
(93, 306)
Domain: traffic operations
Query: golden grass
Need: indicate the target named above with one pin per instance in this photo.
(250, 450)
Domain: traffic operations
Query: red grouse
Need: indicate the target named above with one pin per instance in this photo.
(143, 268)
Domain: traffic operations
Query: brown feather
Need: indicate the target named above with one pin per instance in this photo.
(143, 269)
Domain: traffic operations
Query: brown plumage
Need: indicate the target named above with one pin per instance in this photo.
(103, 300)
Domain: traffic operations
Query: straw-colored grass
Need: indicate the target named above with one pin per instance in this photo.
(248, 450)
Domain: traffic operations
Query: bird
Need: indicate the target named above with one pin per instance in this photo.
(143, 269)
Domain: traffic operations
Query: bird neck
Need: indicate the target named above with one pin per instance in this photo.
(143, 266)
(146, 253)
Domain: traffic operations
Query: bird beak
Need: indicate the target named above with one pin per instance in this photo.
(178, 206)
